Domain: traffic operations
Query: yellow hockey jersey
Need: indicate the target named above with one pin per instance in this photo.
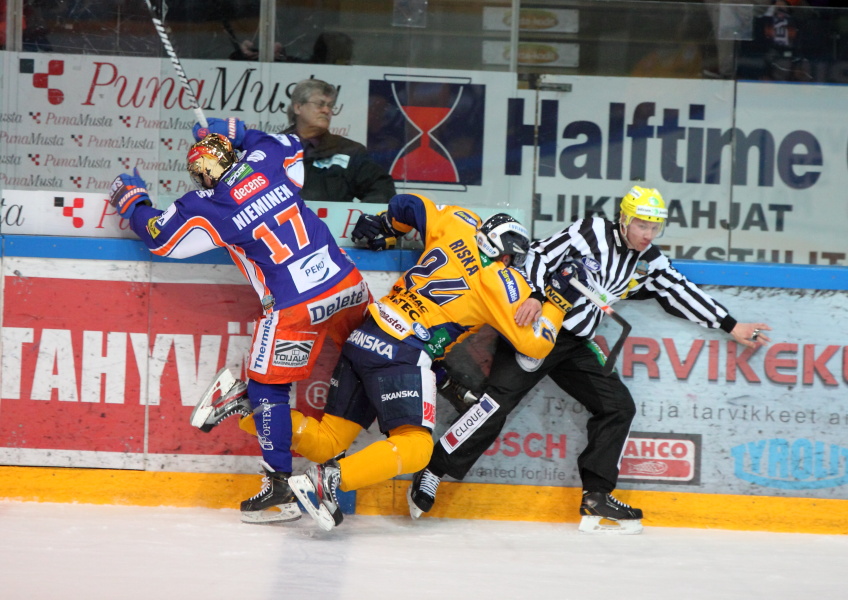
(455, 289)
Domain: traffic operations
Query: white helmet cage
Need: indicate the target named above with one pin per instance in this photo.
(501, 234)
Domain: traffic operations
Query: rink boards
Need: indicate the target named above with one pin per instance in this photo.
(105, 351)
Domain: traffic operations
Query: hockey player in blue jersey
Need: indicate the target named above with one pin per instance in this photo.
(249, 204)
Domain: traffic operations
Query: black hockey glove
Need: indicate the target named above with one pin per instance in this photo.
(559, 289)
(375, 232)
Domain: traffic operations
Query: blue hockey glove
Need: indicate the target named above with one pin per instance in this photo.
(559, 289)
(232, 128)
(374, 232)
(127, 192)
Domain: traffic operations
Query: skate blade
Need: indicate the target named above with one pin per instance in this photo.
(302, 487)
(414, 511)
(286, 514)
(224, 380)
(589, 524)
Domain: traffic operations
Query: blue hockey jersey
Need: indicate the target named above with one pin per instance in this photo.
(280, 245)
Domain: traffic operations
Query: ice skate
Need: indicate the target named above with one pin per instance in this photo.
(604, 514)
(316, 489)
(422, 493)
(459, 396)
(275, 503)
(210, 411)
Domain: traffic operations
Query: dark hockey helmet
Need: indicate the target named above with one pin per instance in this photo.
(500, 234)
(209, 159)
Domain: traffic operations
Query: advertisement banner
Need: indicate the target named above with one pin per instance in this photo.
(103, 361)
(71, 123)
(752, 171)
(712, 416)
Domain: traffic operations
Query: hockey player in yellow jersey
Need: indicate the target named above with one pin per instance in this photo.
(462, 281)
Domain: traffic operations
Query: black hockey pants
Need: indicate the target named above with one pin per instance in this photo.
(575, 367)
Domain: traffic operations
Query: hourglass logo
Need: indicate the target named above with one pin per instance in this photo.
(428, 130)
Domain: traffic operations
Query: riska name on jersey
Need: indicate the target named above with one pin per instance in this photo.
(260, 205)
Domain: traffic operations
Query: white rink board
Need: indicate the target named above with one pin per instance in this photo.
(769, 424)
(782, 202)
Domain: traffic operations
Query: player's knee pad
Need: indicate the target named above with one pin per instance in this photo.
(319, 441)
(414, 446)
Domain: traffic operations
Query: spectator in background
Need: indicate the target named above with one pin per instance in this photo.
(783, 28)
(337, 168)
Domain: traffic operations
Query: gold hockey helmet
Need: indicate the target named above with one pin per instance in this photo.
(209, 159)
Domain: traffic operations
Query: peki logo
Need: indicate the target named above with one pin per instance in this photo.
(168, 143)
(313, 270)
(432, 130)
(55, 68)
(77, 138)
(76, 180)
(800, 464)
(36, 116)
(125, 162)
(68, 211)
(126, 120)
(36, 158)
(250, 186)
(165, 184)
(662, 458)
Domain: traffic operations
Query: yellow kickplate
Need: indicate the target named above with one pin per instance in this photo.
(662, 509)
(455, 500)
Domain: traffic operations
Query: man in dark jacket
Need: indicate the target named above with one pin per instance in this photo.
(337, 168)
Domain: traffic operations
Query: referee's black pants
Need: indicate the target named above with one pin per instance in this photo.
(575, 365)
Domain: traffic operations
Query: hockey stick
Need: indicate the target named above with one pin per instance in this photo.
(595, 299)
(169, 49)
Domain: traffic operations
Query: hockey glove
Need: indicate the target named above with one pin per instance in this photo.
(375, 232)
(559, 289)
(232, 128)
(127, 192)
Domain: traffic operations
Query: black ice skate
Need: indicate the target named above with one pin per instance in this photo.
(620, 518)
(459, 396)
(422, 493)
(316, 489)
(276, 502)
(210, 411)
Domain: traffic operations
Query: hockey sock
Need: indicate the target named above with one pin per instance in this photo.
(407, 450)
(248, 424)
(319, 441)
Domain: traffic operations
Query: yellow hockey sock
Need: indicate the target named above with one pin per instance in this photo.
(407, 450)
(319, 441)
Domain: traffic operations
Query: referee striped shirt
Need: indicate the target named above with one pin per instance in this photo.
(620, 272)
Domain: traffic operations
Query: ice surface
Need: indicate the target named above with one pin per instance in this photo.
(71, 551)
